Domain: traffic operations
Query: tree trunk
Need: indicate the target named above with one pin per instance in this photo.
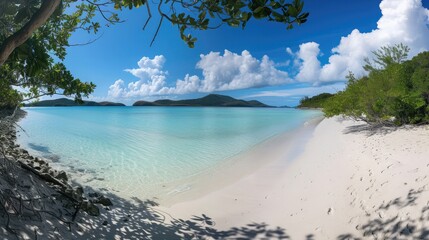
(38, 19)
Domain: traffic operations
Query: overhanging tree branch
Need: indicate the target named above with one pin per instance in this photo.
(38, 19)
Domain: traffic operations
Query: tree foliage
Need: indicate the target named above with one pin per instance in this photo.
(30, 70)
(314, 102)
(211, 14)
(396, 94)
(385, 56)
(39, 37)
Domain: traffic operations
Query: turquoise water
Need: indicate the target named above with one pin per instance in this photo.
(135, 150)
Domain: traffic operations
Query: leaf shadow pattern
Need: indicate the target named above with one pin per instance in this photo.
(402, 226)
(126, 219)
(29, 208)
(138, 219)
(142, 220)
(370, 129)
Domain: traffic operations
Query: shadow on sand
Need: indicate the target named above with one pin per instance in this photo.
(140, 220)
(136, 219)
(371, 129)
(402, 226)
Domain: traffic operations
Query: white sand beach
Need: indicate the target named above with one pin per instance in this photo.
(349, 182)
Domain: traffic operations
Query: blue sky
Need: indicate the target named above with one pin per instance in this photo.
(264, 61)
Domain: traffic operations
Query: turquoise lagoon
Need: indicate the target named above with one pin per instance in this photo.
(136, 151)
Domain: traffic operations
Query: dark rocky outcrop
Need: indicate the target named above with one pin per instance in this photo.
(99, 199)
(90, 208)
(59, 180)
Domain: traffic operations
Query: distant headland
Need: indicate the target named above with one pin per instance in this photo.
(211, 100)
(65, 102)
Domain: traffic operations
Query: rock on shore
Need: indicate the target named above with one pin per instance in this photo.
(35, 199)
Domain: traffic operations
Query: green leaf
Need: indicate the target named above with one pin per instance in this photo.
(293, 11)
(258, 9)
(233, 23)
(304, 15)
(21, 15)
(202, 15)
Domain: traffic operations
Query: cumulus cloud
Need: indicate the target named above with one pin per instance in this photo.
(230, 71)
(116, 90)
(151, 79)
(148, 67)
(310, 67)
(402, 21)
(235, 71)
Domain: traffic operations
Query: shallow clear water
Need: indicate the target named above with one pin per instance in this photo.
(135, 150)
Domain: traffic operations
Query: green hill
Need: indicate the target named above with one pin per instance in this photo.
(65, 102)
(212, 100)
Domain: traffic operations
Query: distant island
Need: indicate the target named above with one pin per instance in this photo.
(211, 100)
(65, 102)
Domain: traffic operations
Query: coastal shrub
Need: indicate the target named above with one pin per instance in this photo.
(395, 93)
(314, 102)
(8, 96)
(348, 102)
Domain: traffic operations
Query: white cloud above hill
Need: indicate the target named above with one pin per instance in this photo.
(402, 21)
(310, 67)
(151, 79)
(230, 71)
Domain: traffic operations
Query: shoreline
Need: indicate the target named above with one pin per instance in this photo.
(234, 168)
(229, 170)
(343, 180)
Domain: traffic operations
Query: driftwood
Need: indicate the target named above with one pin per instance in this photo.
(44, 176)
